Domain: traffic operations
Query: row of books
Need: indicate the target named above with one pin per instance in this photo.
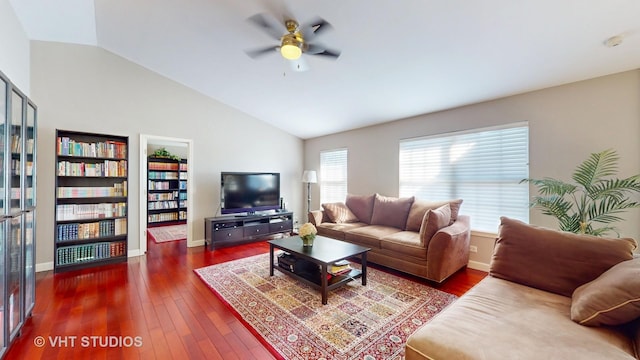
(16, 192)
(73, 192)
(162, 196)
(182, 215)
(163, 217)
(90, 211)
(106, 149)
(163, 175)
(16, 168)
(183, 185)
(167, 166)
(339, 268)
(16, 145)
(183, 166)
(162, 205)
(109, 168)
(90, 252)
(160, 185)
(93, 230)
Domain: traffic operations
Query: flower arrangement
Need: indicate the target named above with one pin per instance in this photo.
(307, 234)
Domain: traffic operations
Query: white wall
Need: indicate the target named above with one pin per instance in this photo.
(85, 88)
(14, 48)
(566, 124)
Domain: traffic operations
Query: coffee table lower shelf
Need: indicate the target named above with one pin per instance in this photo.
(314, 280)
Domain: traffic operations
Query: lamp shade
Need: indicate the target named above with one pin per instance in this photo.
(309, 176)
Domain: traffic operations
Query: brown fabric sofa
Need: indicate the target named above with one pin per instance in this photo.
(549, 295)
(426, 239)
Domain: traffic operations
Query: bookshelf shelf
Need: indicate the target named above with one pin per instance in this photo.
(166, 191)
(91, 200)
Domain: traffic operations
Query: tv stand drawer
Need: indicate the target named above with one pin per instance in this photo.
(228, 234)
(256, 230)
(281, 226)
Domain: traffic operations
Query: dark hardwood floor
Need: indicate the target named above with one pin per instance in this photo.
(153, 307)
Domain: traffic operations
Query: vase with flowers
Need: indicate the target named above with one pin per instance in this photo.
(307, 234)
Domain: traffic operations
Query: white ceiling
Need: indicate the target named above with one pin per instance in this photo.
(399, 58)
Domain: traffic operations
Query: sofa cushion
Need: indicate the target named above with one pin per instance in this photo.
(339, 213)
(369, 235)
(337, 231)
(434, 220)
(499, 319)
(611, 299)
(361, 206)
(553, 260)
(404, 243)
(419, 209)
(391, 211)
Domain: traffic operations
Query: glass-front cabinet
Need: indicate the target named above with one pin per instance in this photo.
(18, 136)
(3, 219)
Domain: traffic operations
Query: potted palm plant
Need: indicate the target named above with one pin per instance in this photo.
(594, 201)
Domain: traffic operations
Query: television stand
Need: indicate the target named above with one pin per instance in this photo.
(225, 231)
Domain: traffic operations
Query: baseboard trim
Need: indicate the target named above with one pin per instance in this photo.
(478, 265)
(196, 243)
(44, 266)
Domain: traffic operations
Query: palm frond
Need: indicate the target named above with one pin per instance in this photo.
(549, 186)
(618, 188)
(596, 167)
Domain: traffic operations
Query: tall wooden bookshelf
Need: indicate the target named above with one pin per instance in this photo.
(91, 199)
(166, 191)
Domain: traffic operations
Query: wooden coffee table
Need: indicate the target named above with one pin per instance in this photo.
(324, 252)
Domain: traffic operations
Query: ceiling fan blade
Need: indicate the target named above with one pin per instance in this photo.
(315, 27)
(273, 29)
(327, 53)
(299, 64)
(256, 53)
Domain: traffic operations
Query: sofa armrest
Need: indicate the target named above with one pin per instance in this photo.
(448, 249)
(315, 217)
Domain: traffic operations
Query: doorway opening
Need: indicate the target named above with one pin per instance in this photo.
(182, 148)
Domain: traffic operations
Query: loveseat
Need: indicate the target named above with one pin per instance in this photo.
(426, 239)
(549, 295)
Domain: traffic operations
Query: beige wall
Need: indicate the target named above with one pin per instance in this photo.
(85, 88)
(566, 124)
(14, 48)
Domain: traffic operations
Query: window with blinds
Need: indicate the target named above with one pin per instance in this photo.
(333, 176)
(483, 167)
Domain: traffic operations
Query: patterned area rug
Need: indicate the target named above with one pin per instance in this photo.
(168, 233)
(359, 322)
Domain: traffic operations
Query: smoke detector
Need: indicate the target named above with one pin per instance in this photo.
(614, 41)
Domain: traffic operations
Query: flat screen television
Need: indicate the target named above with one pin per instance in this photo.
(249, 192)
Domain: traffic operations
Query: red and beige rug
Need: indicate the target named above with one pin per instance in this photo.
(359, 322)
(168, 233)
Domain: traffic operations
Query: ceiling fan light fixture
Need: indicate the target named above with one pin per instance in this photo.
(290, 48)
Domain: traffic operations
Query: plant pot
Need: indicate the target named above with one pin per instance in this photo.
(307, 240)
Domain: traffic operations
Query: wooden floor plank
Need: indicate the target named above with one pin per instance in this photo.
(157, 298)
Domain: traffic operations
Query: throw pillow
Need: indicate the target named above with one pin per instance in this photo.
(419, 209)
(553, 260)
(361, 206)
(339, 213)
(611, 299)
(434, 220)
(391, 211)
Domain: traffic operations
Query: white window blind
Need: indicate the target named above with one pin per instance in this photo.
(483, 167)
(333, 176)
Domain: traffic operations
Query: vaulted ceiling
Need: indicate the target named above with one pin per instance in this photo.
(398, 58)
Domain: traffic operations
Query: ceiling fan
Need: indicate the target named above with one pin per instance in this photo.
(295, 40)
